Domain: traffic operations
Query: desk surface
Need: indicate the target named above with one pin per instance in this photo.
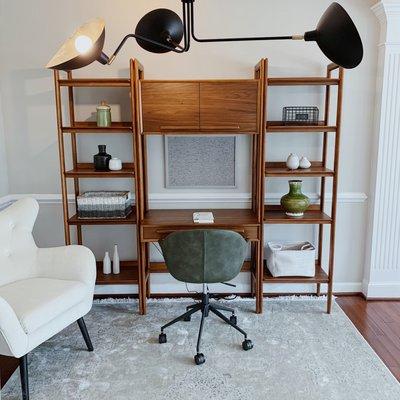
(226, 217)
(159, 223)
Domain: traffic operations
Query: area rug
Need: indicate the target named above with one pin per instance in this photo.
(299, 353)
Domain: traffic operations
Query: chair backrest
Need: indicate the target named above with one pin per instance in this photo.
(17, 247)
(204, 256)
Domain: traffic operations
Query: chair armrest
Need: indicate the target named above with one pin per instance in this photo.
(13, 339)
(75, 263)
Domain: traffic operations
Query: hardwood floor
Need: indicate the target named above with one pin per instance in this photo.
(378, 322)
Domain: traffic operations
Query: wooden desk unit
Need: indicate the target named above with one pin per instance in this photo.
(232, 106)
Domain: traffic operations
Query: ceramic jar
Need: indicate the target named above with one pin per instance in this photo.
(304, 163)
(292, 161)
(295, 202)
(101, 159)
(103, 115)
(115, 164)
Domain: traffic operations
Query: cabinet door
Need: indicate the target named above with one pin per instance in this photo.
(229, 106)
(170, 106)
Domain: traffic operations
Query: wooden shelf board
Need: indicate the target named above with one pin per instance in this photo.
(86, 170)
(91, 127)
(310, 217)
(302, 81)
(279, 169)
(127, 276)
(129, 220)
(319, 277)
(222, 217)
(280, 126)
(107, 82)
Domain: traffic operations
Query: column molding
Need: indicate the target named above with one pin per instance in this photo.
(382, 266)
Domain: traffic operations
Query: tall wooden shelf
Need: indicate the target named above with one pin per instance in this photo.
(129, 269)
(160, 107)
(317, 214)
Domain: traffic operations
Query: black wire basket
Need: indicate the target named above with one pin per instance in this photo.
(299, 115)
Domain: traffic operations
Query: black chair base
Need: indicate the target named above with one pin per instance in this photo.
(23, 361)
(205, 307)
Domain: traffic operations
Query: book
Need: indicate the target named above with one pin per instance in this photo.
(203, 218)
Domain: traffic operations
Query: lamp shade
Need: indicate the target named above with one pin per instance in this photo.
(337, 37)
(82, 48)
(159, 25)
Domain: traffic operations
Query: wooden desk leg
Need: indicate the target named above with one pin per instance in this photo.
(142, 279)
(148, 289)
(259, 279)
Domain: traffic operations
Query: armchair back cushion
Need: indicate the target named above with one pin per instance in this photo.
(18, 250)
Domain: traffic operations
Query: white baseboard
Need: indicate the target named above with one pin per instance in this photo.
(165, 283)
(381, 290)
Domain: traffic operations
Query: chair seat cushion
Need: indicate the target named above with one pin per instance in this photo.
(37, 301)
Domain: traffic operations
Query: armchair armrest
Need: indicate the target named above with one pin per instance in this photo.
(13, 339)
(76, 263)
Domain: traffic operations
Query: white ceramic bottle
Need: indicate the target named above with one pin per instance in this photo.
(115, 164)
(304, 163)
(106, 264)
(116, 267)
(292, 161)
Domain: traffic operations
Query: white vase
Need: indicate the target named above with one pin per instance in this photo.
(292, 161)
(304, 163)
(116, 266)
(106, 264)
(115, 164)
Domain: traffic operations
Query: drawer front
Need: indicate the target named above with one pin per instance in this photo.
(154, 234)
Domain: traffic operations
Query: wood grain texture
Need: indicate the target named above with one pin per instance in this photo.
(279, 126)
(379, 323)
(127, 276)
(303, 81)
(229, 106)
(87, 170)
(279, 169)
(320, 277)
(169, 106)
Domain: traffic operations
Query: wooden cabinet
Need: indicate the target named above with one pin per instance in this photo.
(170, 106)
(229, 106)
(205, 106)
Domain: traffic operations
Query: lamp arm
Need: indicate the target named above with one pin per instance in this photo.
(176, 47)
(236, 39)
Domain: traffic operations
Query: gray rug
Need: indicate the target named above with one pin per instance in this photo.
(299, 353)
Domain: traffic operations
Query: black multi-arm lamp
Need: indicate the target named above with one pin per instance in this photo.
(162, 31)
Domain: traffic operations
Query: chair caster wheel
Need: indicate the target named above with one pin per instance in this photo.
(247, 344)
(187, 319)
(233, 319)
(199, 359)
(162, 338)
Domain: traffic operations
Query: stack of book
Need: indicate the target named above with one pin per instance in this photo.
(203, 218)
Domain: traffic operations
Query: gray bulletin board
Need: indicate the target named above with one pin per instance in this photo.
(200, 161)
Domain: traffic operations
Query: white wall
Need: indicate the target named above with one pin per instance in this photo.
(33, 31)
(3, 160)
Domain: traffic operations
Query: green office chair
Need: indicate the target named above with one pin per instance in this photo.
(205, 256)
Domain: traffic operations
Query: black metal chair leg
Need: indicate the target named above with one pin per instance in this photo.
(203, 316)
(181, 317)
(85, 334)
(23, 370)
(222, 316)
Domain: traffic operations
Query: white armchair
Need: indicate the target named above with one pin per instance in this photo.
(42, 291)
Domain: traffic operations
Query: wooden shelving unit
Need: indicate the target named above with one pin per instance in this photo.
(317, 214)
(160, 107)
(130, 272)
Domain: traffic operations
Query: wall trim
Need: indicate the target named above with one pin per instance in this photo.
(191, 199)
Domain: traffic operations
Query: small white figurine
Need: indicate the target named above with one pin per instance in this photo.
(292, 161)
(304, 163)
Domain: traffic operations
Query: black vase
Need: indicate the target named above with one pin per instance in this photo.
(102, 159)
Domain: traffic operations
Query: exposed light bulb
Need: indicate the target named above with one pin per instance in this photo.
(83, 44)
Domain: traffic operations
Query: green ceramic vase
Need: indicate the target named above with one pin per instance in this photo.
(295, 202)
